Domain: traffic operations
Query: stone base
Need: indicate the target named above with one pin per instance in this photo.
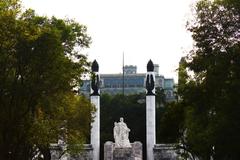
(123, 154)
(113, 153)
(165, 152)
(57, 153)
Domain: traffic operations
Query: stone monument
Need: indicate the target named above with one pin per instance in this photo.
(150, 109)
(121, 134)
(95, 99)
(122, 149)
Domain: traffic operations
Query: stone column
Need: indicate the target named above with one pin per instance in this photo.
(95, 100)
(150, 110)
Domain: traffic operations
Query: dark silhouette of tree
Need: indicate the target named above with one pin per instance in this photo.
(209, 93)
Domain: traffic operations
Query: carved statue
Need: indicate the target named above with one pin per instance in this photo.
(95, 84)
(95, 79)
(149, 79)
(115, 134)
(121, 134)
(150, 84)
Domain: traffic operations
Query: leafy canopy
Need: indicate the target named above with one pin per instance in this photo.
(40, 68)
(210, 94)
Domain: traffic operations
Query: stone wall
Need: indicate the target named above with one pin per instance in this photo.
(165, 152)
(112, 153)
(57, 153)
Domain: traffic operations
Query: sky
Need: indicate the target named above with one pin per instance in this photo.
(141, 29)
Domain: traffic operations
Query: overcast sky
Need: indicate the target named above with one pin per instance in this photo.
(142, 29)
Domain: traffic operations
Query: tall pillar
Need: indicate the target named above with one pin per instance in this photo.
(95, 100)
(150, 110)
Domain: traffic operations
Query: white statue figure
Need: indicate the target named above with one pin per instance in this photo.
(116, 134)
(121, 133)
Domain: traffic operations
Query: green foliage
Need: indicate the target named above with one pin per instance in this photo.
(182, 76)
(171, 120)
(40, 69)
(210, 93)
(160, 97)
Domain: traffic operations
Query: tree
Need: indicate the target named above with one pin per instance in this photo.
(210, 93)
(170, 123)
(160, 97)
(40, 68)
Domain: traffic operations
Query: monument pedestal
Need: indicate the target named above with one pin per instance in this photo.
(113, 153)
(123, 154)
